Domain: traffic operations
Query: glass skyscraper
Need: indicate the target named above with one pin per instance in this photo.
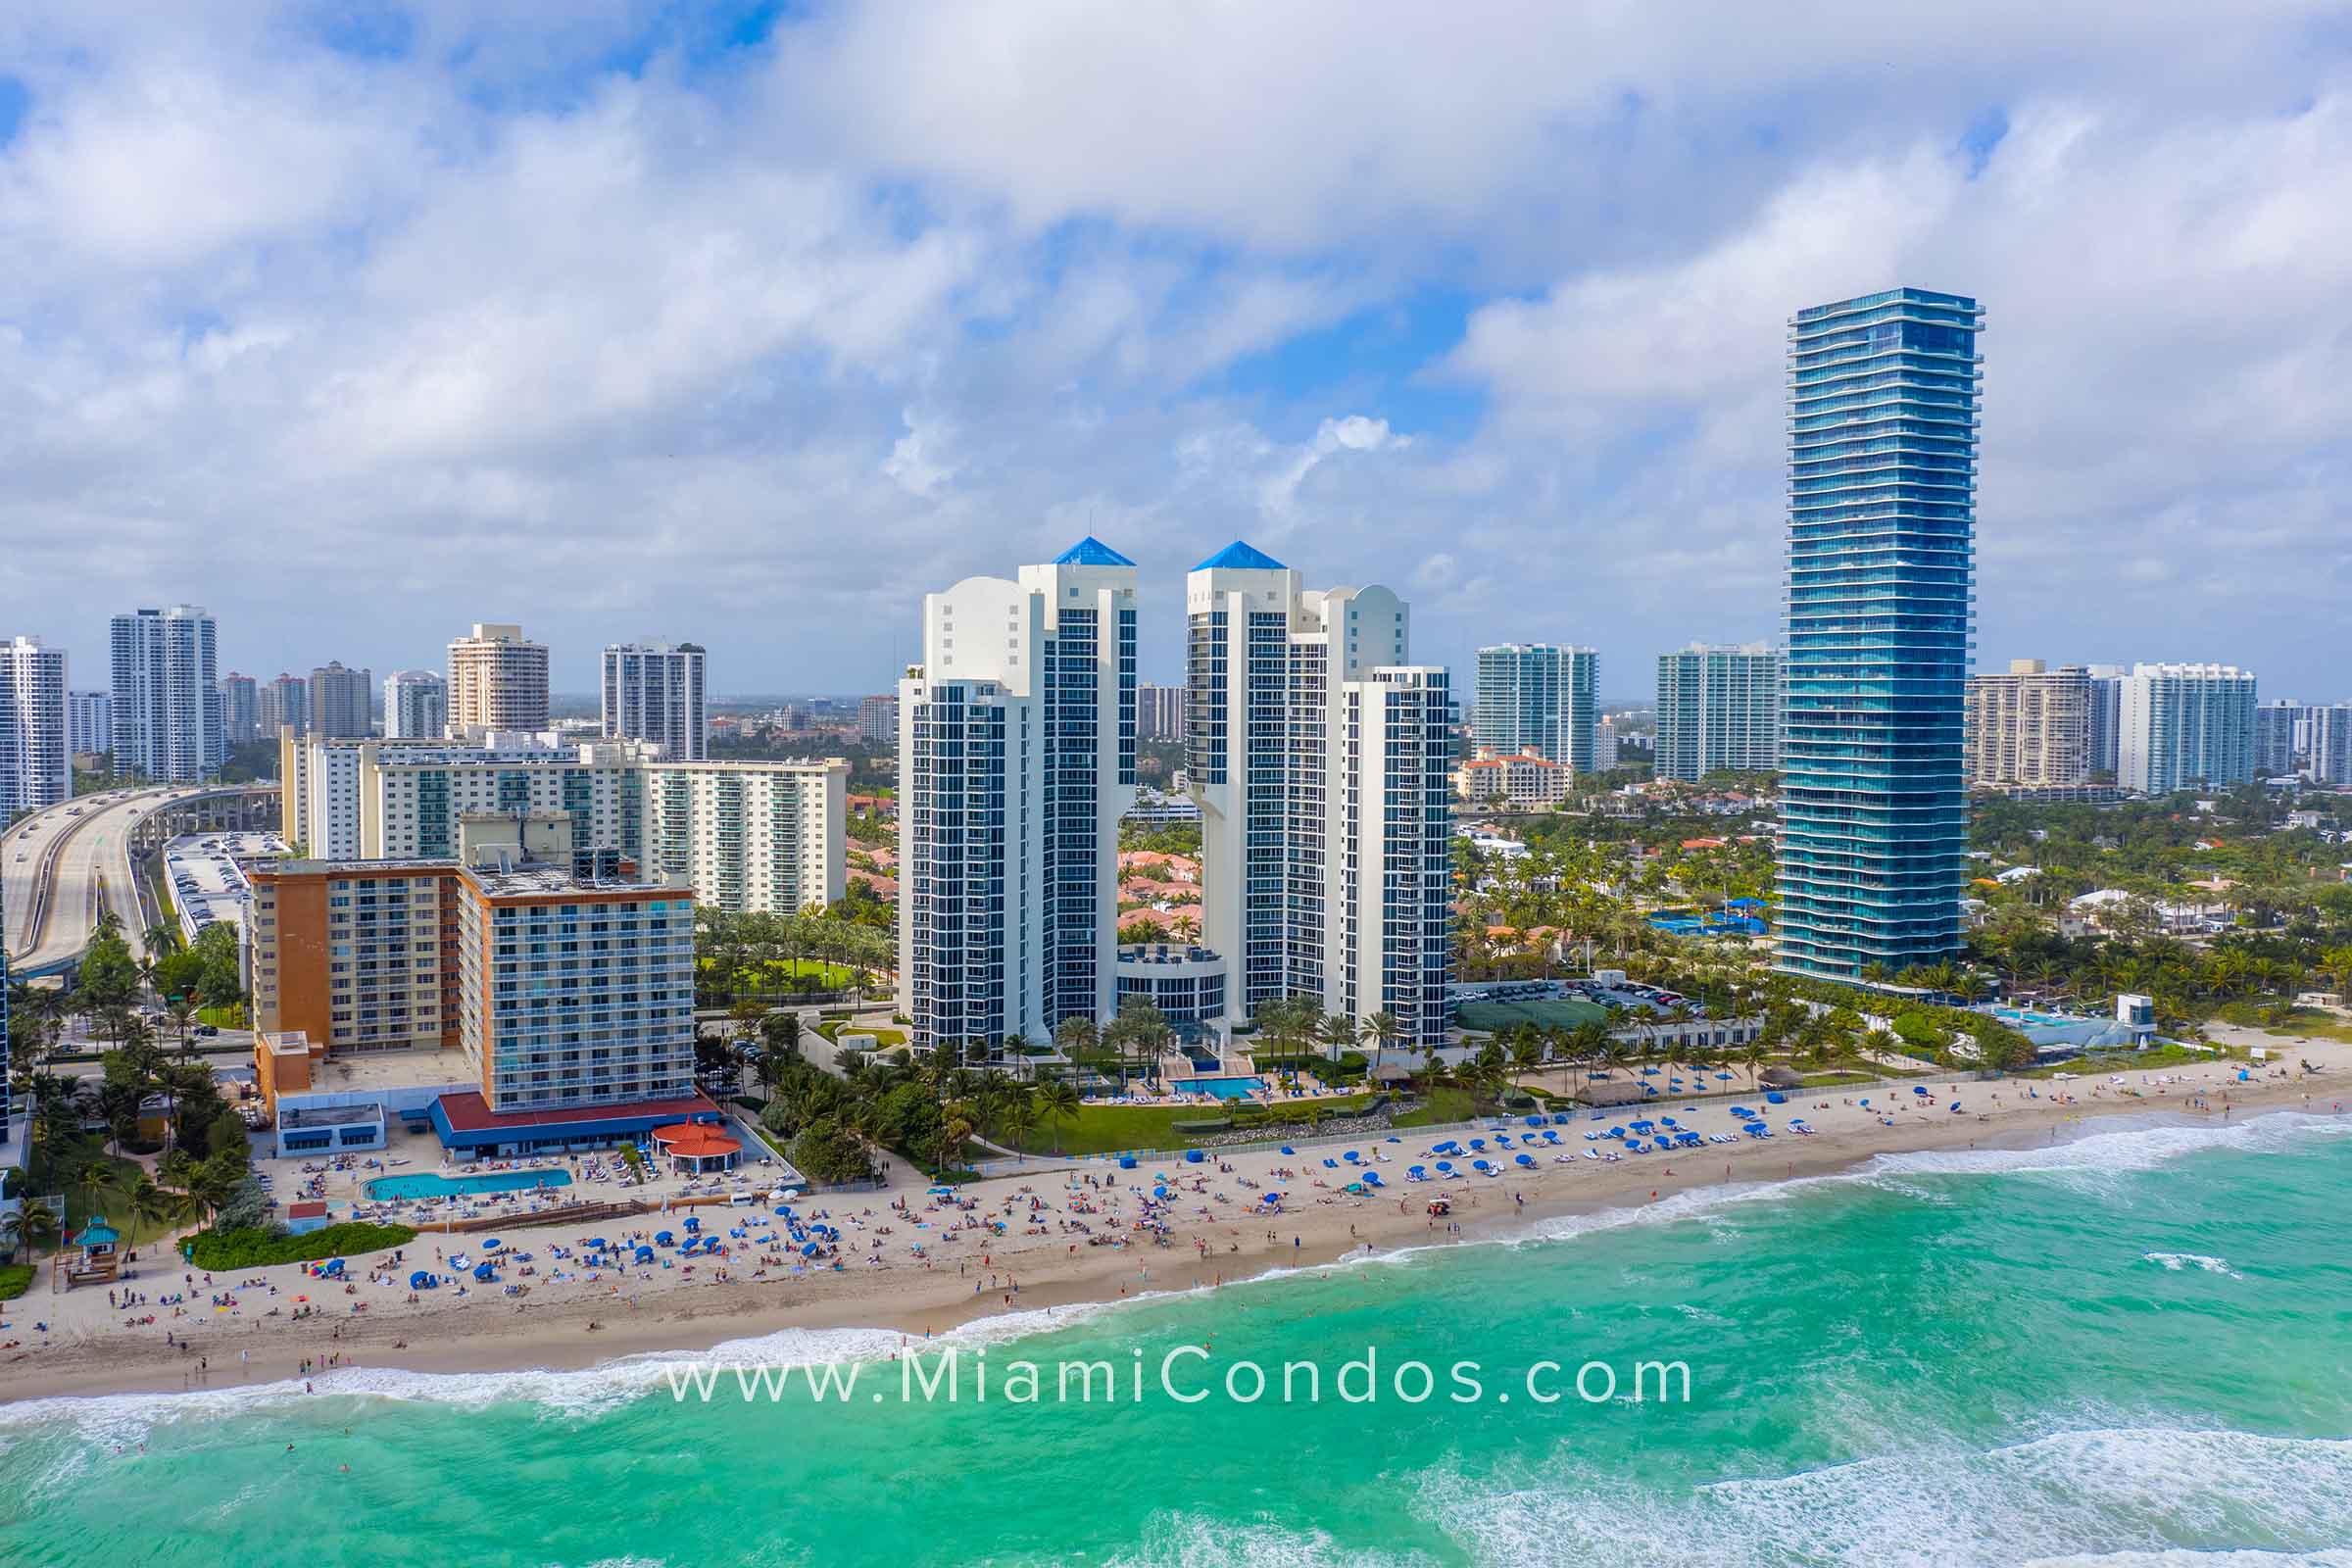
(1882, 525)
(1539, 695)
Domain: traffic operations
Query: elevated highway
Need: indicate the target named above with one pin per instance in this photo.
(61, 868)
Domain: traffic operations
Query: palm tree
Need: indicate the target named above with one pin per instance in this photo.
(153, 1207)
(1381, 1031)
(33, 1224)
(1019, 1115)
(183, 1013)
(99, 1181)
(1057, 1101)
(1335, 1032)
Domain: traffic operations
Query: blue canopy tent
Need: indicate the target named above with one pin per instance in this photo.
(422, 1280)
(485, 1273)
(645, 1254)
(1194, 1156)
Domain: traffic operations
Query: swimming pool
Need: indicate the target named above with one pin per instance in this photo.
(2025, 1017)
(427, 1185)
(1223, 1088)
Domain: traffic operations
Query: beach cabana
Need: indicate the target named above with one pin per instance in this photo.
(694, 1148)
(422, 1280)
(1528, 1161)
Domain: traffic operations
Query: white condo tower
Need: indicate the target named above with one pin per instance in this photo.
(1017, 760)
(1320, 760)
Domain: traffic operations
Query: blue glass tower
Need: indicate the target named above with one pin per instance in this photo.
(1882, 529)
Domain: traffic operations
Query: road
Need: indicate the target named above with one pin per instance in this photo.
(52, 867)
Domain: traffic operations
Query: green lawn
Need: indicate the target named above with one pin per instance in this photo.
(884, 1035)
(1108, 1129)
(232, 1017)
(15, 1280)
(2309, 1023)
(1442, 1106)
(778, 974)
(135, 1232)
(2156, 1058)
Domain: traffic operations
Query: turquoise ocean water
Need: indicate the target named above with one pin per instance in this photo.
(2132, 1348)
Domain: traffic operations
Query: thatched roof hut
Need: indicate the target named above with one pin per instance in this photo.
(1607, 1093)
(1783, 1078)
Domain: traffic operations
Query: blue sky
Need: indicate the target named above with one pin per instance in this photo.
(751, 322)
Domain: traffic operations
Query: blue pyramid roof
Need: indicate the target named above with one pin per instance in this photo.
(1091, 552)
(1245, 557)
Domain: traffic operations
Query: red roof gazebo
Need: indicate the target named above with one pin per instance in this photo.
(696, 1147)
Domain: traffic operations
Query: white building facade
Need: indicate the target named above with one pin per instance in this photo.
(764, 837)
(2184, 724)
(416, 705)
(1017, 760)
(90, 723)
(654, 692)
(1320, 762)
(166, 695)
(1539, 695)
(37, 760)
(1719, 711)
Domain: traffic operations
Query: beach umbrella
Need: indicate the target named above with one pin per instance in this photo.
(485, 1273)
(645, 1254)
(492, 1245)
(693, 1223)
(1288, 1150)
(420, 1281)
(1446, 1164)
(1527, 1159)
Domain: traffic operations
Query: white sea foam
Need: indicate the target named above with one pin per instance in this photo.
(2143, 1490)
(1198, 1540)
(2175, 1262)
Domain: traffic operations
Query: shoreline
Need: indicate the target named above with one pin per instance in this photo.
(97, 1357)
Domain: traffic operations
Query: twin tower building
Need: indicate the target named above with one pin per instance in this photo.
(1318, 755)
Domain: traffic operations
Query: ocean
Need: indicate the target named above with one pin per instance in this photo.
(2130, 1347)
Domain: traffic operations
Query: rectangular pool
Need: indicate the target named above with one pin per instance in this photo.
(427, 1185)
(1223, 1088)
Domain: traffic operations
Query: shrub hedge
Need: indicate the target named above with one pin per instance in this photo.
(215, 1250)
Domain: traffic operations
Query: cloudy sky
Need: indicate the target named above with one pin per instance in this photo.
(358, 321)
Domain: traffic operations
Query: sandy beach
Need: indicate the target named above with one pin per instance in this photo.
(1060, 1224)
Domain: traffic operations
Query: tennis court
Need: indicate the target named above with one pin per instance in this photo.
(1493, 1017)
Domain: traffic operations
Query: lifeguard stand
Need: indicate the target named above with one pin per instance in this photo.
(93, 1257)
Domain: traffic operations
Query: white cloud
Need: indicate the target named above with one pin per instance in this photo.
(282, 327)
